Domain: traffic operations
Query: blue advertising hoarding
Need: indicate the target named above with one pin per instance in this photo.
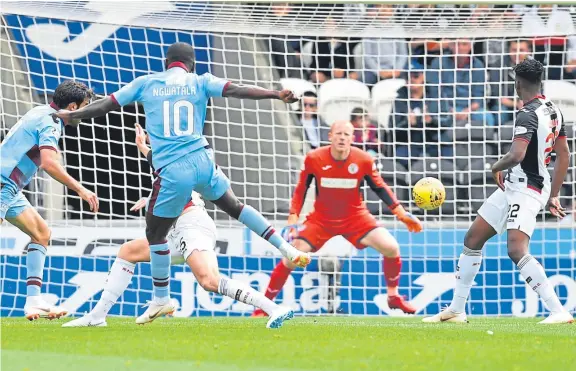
(75, 282)
(105, 57)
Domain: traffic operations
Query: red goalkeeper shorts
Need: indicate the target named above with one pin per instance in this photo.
(317, 232)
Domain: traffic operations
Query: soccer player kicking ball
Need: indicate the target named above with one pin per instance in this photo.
(175, 104)
(339, 170)
(31, 144)
(526, 189)
(191, 240)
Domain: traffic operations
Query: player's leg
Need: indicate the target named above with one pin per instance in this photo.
(491, 220)
(23, 216)
(251, 218)
(382, 241)
(204, 265)
(172, 190)
(468, 267)
(216, 188)
(470, 260)
(117, 282)
(521, 223)
(119, 278)
(156, 231)
(311, 238)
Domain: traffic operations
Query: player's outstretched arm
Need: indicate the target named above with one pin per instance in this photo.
(96, 109)
(560, 170)
(258, 93)
(49, 162)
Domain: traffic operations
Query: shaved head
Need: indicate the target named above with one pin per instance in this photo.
(342, 125)
(181, 52)
(341, 136)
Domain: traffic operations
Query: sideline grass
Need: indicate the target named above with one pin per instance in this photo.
(344, 343)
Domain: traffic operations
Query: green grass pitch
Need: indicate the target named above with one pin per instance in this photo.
(322, 343)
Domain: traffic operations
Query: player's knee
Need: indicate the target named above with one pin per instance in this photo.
(155, 236)
(208, 281)
(391, 251)
(127, 252)
(517, 246)
(42, 236)
(515, 255)
(472, 241)
(230, 204)
(389, 248)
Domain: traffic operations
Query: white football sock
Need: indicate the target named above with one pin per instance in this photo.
(468, 267)
(117, 282)
(536, 278)
(246, 294)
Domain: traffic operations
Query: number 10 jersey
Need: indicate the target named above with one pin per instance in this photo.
(175, 104)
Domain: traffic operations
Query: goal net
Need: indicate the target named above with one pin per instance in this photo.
(429, 89)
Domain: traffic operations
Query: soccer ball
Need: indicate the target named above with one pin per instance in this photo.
(429, 193)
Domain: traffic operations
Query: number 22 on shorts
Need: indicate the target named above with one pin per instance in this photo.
(513, 211)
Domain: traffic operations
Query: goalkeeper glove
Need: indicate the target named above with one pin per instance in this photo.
(411, 222)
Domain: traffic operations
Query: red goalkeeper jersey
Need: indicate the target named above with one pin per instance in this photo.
(338, 182)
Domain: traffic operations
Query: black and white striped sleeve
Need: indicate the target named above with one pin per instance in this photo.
(526, 125)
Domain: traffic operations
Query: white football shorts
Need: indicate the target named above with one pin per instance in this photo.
(509, 209)
(194, 230)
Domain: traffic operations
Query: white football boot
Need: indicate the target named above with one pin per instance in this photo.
(278, 317)
(447, 315)
(156, 310)
(558, 317)
(301, 259)
(36, 307)
(86, 321)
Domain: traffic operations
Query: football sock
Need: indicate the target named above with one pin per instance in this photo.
(35, 259)
(392, 268)
(252, 219)
(468, 267)
(277, 280)
(117, 282)
(536, 278)
(246, 294)
(160, 269)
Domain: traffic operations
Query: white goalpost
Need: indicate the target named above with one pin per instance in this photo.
(407, 73)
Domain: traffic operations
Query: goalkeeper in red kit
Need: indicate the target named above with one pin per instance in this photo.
(339, 169)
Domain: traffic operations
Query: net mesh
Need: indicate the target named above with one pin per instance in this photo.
(401, 86)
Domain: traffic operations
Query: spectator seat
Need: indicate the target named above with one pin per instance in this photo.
(477, 180)
(307, 56)
(358, 53)
(563, 93)
(466, 153)
(384, 94)
(505, 134)
(338, 97)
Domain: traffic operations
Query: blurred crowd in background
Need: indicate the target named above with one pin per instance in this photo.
(483, 66)
(449, 83)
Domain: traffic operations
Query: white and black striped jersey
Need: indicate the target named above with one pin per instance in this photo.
(539, 123)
